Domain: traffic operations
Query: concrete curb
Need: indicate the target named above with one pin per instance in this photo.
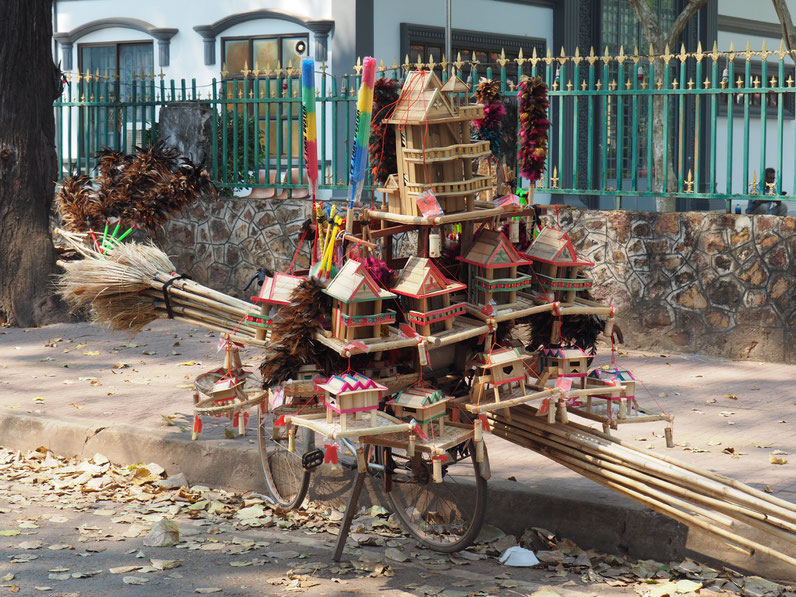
(612, 525)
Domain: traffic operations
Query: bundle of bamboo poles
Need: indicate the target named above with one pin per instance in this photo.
(135, 283)
(695, 497)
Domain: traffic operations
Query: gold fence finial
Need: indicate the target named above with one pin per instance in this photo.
(636, 56)
(667, 55)
(246, 72)
(419, 64)
(714, 55)
(621, 57)
(548, 59)
(381, 66)
(444, 62)
(683, 56)
(224, 71)
(699, 55)
(591, 58)
(606, 56)
(502, 61)
(763, 51)
(358, 66)
(754, 190)
(458, 63)
(689, 183)
(431, 64)
(576, 58)
(748, 54)
(554, 177)
(406, 66)
(781, 52)
(520, 59)
(563, 57)
(534, 57)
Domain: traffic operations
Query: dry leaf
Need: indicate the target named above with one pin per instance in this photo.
(164, 534)
(773, 459)
(135, 580)
(207, 590)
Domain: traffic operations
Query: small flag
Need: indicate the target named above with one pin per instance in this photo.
(330, 453)
(419, 431)
(197, 424)
(280, 422)
(484, 422)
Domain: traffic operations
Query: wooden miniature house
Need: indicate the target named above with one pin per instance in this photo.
(424, 405)
(351, 395)
(357, 309)
(556, 266)
(433, 146)
(492, 275)
(274, 293)
(564, 362)
(501, 370)
(426, 296)
(614, 376)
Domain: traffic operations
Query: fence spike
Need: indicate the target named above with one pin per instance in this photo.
(406, 65)
(781, 52)
(502, 61)
(790, 81)
(699, 54)
(707, 83)
(246, 72)
(548, 59)
(683, 56)
(358, 66)
(419, 64)
(773, 82)
(748, 53)
(667, 55)
(764, 53)
(576, 59)
(520, 59)
(652, 50)
(690, 83)
(591, 58)
(224, 71)
(715, 53)
(636, 56)
(739, 82)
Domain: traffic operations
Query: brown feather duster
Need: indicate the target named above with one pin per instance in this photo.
(294, 330)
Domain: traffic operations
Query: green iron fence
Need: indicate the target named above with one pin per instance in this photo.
(724, 117)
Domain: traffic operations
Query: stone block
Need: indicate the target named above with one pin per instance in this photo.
(219, 231)
(723, 263)
(641, 229)
(712, 242)
(718, 318)
(777, 258)
(618, 256)
(726, 293)
(754, 298)
(767, 241)
(668, 223)
(691, 298)
(656, 316)
(754, 275)
(186, 127)
(740, 237)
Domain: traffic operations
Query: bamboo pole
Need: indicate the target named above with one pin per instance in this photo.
(762, 521)
(177, 294)
(655, 466)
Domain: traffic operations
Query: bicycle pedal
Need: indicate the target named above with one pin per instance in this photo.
(312, 459)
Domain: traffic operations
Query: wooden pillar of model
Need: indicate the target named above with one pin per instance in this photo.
(513, 293)
(446, 302)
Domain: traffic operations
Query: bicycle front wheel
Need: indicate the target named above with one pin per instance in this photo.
(447, 516)
(285, 475)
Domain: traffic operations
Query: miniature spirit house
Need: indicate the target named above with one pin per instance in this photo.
(274, 293)
(564, 362)
(357, 309)
(614, 376)
(503, 371)
(424, 405)
(492, 264)
(351, 394)
(433, 146)
(556, 266)
(426, 296)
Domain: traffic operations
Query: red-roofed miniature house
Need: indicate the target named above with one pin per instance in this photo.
(275, 292)
(351, 394)
(434, 149)
(492, 264)
(426, 293)
(556, 266)
(424, 405)
(357, 311)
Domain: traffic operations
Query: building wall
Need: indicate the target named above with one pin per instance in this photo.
(502, 18)
(764, 12)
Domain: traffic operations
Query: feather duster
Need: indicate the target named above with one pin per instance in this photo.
(490, 127)
(146, 188)
(533, 105)
(381, 147)
(294, 330)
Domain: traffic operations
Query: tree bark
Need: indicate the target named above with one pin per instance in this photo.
(29, 83)
(659, 41)
(788, 30)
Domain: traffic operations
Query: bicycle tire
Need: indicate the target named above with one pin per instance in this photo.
(285, 477)
(460, 522)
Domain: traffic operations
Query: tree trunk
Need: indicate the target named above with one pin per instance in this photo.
(659, 121)
(28, 86)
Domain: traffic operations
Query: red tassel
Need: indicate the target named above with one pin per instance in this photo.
(419, 431)
(280, 422)
(545, 406)
(197, 424)
(484, 422)
(330, 453)
(440, 457)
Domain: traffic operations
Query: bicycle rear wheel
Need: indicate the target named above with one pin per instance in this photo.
(447, 516)
(285, 475)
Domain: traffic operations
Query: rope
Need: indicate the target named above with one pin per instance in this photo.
(165, 291)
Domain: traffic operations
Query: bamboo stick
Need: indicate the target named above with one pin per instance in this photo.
(693, 468)
(654, 465)
(744, 514)
(730, 538)
(197, 314)
(177, 293)
(478, 409)
(196, 288)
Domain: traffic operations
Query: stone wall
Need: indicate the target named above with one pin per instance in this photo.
(222, 242)
(719, 284)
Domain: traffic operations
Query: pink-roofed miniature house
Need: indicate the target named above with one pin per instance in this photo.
(564, 362)
(426, 293)
(351, 394)
(502, 370)
(556, 266)
(492, 264)
(357, 310)
(275, 292)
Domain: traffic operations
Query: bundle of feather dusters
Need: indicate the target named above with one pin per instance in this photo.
(576, 330)
(534, 125)
(145, 188)
(490, 127)
(294, 330)
(381, 147)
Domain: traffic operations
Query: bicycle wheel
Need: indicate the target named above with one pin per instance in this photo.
(285, 475)
(447, 516)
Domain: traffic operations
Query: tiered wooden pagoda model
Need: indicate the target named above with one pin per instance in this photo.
(434, 146)
(494, 283)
